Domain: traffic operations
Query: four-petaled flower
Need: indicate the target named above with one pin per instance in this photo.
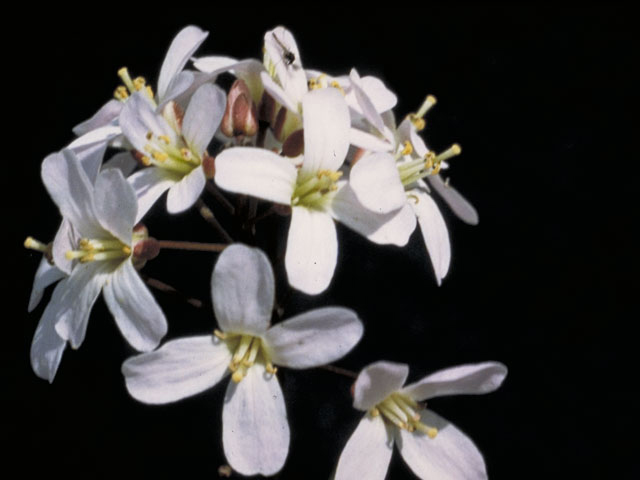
(255, 431)
(429, 444)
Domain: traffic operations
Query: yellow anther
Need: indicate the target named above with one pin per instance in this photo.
(337, 86)
(89, 257)
(159, 156)
(408, 148)
(374, 412)
(139, 83)
(417, 122)
(413, 197)
(165, 139)
(121, 93)
(429, 160)
(237, 376)
(149, 92)
(331, 174)
(312, 84)
(432, 432)
(126, 250)
(146, 161)
(220, 334)
(436, 169)
(271, 369)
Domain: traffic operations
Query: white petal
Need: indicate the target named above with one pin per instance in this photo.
(115, 204)
(255, 431)
(90, 157)
(472, 379)
(278, 94)
(137, 314)
(71, 190)
(312, 250)
(46, 275)
(138, 118)
(368, 141)
(368, 451)
(203, 116)
(367, 107)
(73, 299)
(326, 122)
(66, 239)
(314, 338)
(213, 63)
(434, 232)
(381, 97)
(377, 381)
(100, 136)
(123, 161)
(459, 205)
(451, 455)
(391, 228)
(149, 184)
(279, 44)
(179, 369)
(243, 289)
(183, 194)
(47, 347)
(181, 84)
(256, 172)
(105, 115)
(185, 43)
(376, 182)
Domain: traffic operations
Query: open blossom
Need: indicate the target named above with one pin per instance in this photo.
(173, 145)
(313, 190)
(172, 81)
(430, 445)
(255, 432)
(95, 251)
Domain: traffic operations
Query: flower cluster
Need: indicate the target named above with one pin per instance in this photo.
(297, 142)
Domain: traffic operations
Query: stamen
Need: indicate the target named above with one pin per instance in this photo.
(452, 151)
(121, 93)
(220, 334)
(417, 122)
(430, 431)
(374, 412)
(239, 374)
(139, 83)
(123, 73)
(33, 244)
(271, 369)
(408, 148)
(429, 102)
(393, 407)
(391, 416)
(337, 86)
(245, 343)
(250, 358)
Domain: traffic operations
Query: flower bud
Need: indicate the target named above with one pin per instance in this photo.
(208, 165)
(294, 144)
(240, 116)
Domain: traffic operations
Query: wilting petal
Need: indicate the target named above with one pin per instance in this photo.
(312, 250)
(391, 228)
(185, 193)
(368, 451)
(458, 204)
(179, 369)
(115, 204)
(203, 116)
(73, 299)
(185, 43)
(470, 379)
(149, 184)
(451, 455)
(255, 431)
(434, 232)
(136, 312)
(46, 275)
(105, 115)
(47, 347)
(326, 124)
(314, 338)
(377, 381)
(376, 182)
(69, 187)
(242, 289)
(256, 172)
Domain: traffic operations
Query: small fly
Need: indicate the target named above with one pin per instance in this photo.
(288, 56)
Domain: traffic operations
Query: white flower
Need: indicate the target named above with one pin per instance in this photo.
(429, 444)
(172, 81)
(255, 429)
(95, 251)
(174, 146)
(314, 192)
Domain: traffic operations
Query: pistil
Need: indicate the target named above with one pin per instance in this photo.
(414, 170)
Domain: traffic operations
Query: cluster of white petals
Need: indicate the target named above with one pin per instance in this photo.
(317, 148)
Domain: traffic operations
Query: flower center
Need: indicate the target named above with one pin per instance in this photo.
(311, 191)
(93, 250)
(430, 164)
(322, 81)
(402, 411)
(162, 152)
(247, 349)
(131, 86)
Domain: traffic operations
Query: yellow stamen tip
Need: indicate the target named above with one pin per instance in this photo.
(164, 139)
(220, 334)
(432, 432)
(126, 250)
(374, 412)
(271, 369)
(139, 83)
(408, 148)
(456, 149)
(145, 160)
(237, 376)
(417, 122)
(431, 99)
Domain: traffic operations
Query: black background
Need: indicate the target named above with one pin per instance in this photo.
(541, 100)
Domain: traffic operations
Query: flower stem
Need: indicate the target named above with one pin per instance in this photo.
(213, 190)
(208, 215)
(195, 246)
(163, 287)
(340, 371)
